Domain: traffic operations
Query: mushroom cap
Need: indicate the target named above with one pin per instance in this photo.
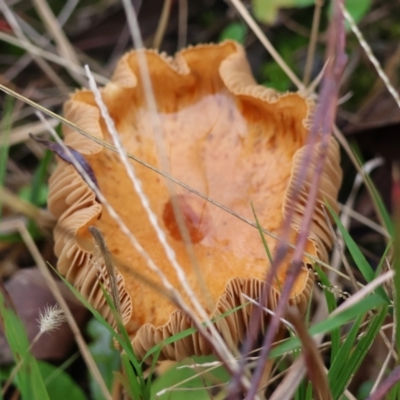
(230, 139)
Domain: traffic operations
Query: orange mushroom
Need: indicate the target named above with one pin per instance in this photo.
(234, 141)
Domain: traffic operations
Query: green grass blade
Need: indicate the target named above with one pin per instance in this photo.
(309, 393)
(265, 244)
(332, 322)
(340, 362)
(40, 179)
(259, 227)
(132, 386)
(301, 391)
(151, 372)
(358, 257)
(331, 304)
(359, 353)
(394, 393)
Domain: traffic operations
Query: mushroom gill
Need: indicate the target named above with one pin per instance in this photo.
(234, 141)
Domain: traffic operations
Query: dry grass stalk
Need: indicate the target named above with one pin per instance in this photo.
(312, 358)
(322, 122)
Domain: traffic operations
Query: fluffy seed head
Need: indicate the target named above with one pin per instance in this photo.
(51, 318)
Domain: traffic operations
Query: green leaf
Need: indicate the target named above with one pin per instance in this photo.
(304, 3)
(106, 357)
(39, 188)
(358, 8)
(266, 11)
(58, 383)
(276, 77)
(365, 390)
(235, 31)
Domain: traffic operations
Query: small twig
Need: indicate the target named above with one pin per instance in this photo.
(182, 23)
(387, 384)
(350, 212)
(42, 40)
(290, 383)
(345, 145)
(310, 90)
(162, 24)
(313, 42)
(385, 364)
(21, 133)
(268, 311)
(339, 248)
(8, 14)
(37, 52)
(99, 239)
(52, 25)
(367, 168)
(367, 289)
